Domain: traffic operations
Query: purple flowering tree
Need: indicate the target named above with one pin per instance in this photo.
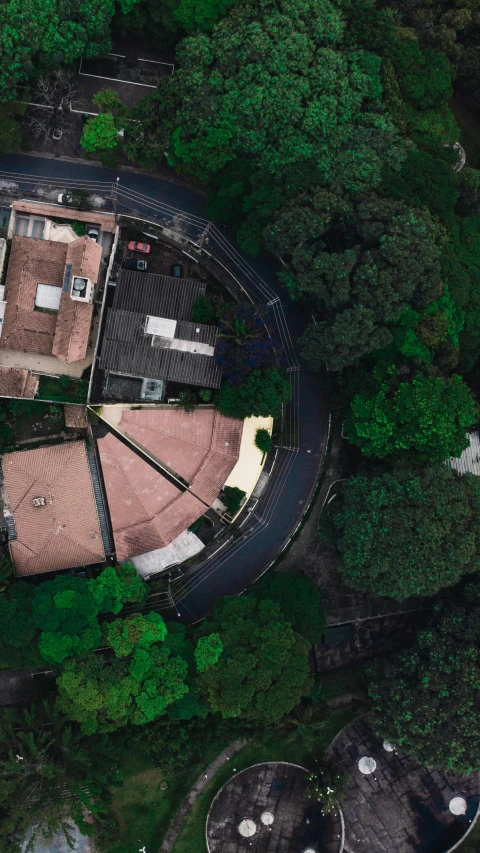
(244, 343)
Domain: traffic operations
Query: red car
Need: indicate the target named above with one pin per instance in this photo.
(138, 247)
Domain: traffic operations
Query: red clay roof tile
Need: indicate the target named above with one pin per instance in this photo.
(65, 531)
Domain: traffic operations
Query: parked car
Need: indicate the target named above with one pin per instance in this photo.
(177, 271)
(134, 264)
(138, 247)
(65, 197)
(93, 232)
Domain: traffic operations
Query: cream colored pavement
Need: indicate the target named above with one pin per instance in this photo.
(251, 460)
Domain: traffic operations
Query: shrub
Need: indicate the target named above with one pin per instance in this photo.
(232, 498)
(203, 311)
(263, 440)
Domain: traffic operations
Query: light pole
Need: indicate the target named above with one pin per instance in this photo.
(172, 600)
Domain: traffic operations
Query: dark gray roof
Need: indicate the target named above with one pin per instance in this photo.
(156, 363)
(158, 295)
(126, 348)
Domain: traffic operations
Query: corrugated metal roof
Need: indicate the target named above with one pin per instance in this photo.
(157, 363)
(126, 346)
(159, 295)
(469, 461)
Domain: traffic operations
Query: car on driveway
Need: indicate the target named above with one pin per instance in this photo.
(135, 264)
(139, 247)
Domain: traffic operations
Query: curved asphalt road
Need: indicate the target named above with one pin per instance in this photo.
(240, 561)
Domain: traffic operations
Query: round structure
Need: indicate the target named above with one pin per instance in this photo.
(268, 808)
(458, 806)
(388, 746)
(367, 765)
(247, 828)
(406, 806)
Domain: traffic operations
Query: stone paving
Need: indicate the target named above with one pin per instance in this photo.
(402, 806)
(280, 789)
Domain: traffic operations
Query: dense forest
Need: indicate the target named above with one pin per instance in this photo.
(324, 133)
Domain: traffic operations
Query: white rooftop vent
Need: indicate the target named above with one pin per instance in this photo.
(367, 765)
(48, 296)
(40, 501)
(247, 827)
(160, 326)
(79, 285)
(82, 289)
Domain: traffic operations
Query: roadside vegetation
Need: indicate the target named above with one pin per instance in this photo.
(323, 133)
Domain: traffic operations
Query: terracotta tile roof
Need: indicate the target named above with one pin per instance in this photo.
(104, 220)
(227, 435)
(75, 417)
(137, 495)
(181, 440)
(181, 457)
(72, 329)
(85, 255)
(33, 261)
(65, 531)
(211, 477)
(15, 382)
(178, 516)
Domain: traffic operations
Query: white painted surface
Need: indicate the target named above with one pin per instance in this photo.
(367, 765)
(458, 806)
(48, 296)
(247, 827)
(160, 326)
(186, 545)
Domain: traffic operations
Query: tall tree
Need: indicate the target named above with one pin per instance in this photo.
(425, 413)
(49, 774)
(263, 669)
(427, 699)
(361, 261)
(406, 531)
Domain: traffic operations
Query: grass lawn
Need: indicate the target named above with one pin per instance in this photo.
(142, 809)
(472, 843)
(191, 838)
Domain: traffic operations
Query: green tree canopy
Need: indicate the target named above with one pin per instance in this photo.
(136, 689)
(361, 261)
(261, 394)
(273, 84)
(263, 670)
(208, 651)
(137, 631)
(425, 413)
(43, 34)
(427, 699)
(117, 586)
(299, 599)
(408, 531)
(67, 615)
(42, 756)
(100, 134)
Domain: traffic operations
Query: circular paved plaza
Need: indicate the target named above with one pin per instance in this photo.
(400, 805)
(265, 809)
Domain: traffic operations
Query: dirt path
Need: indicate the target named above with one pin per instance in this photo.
(202, 781)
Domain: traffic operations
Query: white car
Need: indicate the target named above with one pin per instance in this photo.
(65, 198)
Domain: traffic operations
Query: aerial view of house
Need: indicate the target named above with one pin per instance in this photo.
(240, 426)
